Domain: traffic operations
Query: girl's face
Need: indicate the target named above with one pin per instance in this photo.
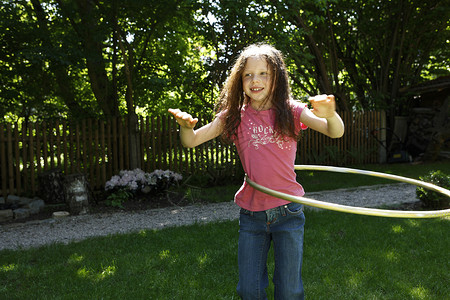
(257, 82)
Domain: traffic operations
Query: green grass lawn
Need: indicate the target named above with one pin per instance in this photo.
(346, 257)
(321, 180)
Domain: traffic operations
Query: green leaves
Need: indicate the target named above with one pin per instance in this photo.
(178, 52)
(432, 199)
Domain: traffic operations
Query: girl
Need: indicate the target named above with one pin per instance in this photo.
(256, 112)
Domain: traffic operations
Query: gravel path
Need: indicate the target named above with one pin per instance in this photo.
(75, 228)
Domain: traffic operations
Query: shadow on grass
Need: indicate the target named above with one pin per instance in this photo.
(361, 257)
(346, 257)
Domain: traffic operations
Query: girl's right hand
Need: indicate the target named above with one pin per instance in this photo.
(183, 118)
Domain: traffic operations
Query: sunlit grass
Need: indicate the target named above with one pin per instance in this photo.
(320, 180)
(345, 257)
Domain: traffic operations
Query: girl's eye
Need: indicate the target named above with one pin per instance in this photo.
(248, 75)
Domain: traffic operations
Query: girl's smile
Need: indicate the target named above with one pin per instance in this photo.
(256, 81)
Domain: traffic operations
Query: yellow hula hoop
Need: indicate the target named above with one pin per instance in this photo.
(354, 209)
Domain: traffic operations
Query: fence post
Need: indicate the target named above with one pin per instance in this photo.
(134, 142)
(101, 153)
(382, 148)
(3, 174)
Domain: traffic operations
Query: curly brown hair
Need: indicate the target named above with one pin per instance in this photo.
(232, 97)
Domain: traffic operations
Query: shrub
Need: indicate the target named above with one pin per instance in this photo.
(118, 197)
(132, 182)
(432, 199)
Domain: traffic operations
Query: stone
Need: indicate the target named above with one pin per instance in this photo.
(60, 214)
(24, 201)
(77, 194)
(35, 206)
(12, 199)
(6, 215)
(18, 201)
(51, 186)
(21, 213)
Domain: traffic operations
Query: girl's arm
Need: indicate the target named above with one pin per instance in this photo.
(190, 137)
(323, 117)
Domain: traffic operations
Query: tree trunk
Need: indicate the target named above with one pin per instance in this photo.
(134, 141)
(133, 124)
(63, 80)
(90, 33)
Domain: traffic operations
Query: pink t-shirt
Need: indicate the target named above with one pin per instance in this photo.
(267, 159)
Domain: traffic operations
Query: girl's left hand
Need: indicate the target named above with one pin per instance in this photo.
(324, 106)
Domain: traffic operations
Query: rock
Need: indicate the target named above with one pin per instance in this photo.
(12, 199)
(3, 204)
(35, 206)
(60, 214)
(20, 207)
(26, 201)
(51, 186)
(21, 213)
(6, 215)
(17, 201)
(77, 194)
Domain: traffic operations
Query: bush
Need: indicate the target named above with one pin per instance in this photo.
(132, 182)
(432, 199)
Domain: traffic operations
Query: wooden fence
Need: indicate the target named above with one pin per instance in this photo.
(101, 149)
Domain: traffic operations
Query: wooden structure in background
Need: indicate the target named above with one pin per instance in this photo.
(100, 149)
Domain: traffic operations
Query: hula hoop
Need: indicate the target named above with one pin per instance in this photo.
(355, 209)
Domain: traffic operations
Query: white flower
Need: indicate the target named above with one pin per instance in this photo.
(138, 179)
(177, 177)
(151, 180)
(133, 185)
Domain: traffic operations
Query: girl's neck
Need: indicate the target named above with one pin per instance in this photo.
(266, 105)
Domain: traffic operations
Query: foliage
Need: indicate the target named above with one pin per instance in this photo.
(73, 59)
(432, 199)
(364, 51)
(118, 197)
(131, 182)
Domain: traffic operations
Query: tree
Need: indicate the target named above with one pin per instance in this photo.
(60, 69)
(226, 28)
(97, 58)
(109, 58)
(129, 30)
(365, 51)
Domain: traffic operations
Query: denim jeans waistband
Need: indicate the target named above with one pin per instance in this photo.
(272, 214)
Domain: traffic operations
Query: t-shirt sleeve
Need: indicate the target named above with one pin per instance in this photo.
(298, 108)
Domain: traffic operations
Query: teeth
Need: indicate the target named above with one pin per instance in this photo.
(256, 89)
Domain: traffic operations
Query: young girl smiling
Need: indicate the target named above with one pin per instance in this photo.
(256, 112)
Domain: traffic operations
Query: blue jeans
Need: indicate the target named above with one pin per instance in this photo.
(284, 226)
